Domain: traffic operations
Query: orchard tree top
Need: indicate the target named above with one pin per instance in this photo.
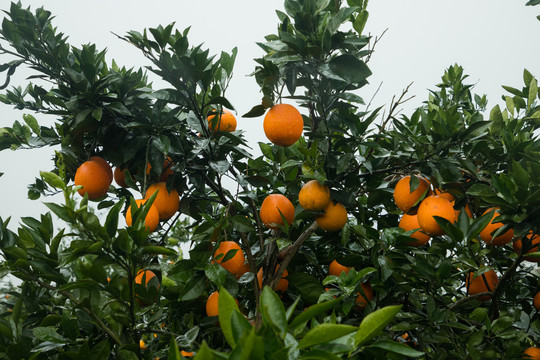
(356, 234)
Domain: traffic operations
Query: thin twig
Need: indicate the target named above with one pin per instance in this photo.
(290, 252)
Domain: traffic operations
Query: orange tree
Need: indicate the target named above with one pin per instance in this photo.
(92, 287)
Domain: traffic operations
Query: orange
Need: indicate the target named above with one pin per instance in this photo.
(536, 301)
(105, 165)
(445, 194)
(186, 353)
(212, 304)
(283, 124)
(234, 265)
(334, 217)
(147, 276)
(142, 344)
(360, 301)
(272, 209)
(410, 222)
(533, 353)
(314, 196)
(282, 285)
(336, 268)
(404, 198)
(434, 205)
(94, 178)
(166, 202)
(486, 282)
(166, 171)
(486, 233)
(120, 177)
(152, 217)
(226, 122)
(535, 241)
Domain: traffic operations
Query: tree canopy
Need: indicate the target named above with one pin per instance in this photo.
(276, 269)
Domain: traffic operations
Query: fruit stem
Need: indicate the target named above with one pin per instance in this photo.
(494, 308)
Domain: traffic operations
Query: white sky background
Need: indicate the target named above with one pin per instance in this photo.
(494, 40)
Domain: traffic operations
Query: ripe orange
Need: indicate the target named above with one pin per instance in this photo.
(234, 265)
(94, 178)
(533, 353)
(273, 207)
(434, 205)
(167, 203)
(152, 217)
(410, 222)
(486, 282)
(536, 301)
(360, 301)
(142, 344)
(314, 196)
(334, 217)
(146, 276)
(445, 194)
(404, 198)
(186, 353)
(212, 308)
(535, 242)
(212, 304)
(486, 233)
(120, 177)
(283, 124)
(336, 268)
(282, 285)
(103, 163)
(226, 122)
(165, 172)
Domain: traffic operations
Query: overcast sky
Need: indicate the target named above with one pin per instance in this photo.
(493, 39)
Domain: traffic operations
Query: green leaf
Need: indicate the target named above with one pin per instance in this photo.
(240, 325)
(158, 250)
(533, 91)
(48, 334)
(350, 69)
(324, 333)
(53, 179)
(32, 123)
(313, 311)
(204, 352)
(111, 222)
(101, 351)
(256, 111)
(226, 306)
(374, 323)
(396, 348)
(242, 224)
(216, 274)
(252, 347)
(174, 352)
(360, 21)
(319, 355)
(273, 311)
(307, 286)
